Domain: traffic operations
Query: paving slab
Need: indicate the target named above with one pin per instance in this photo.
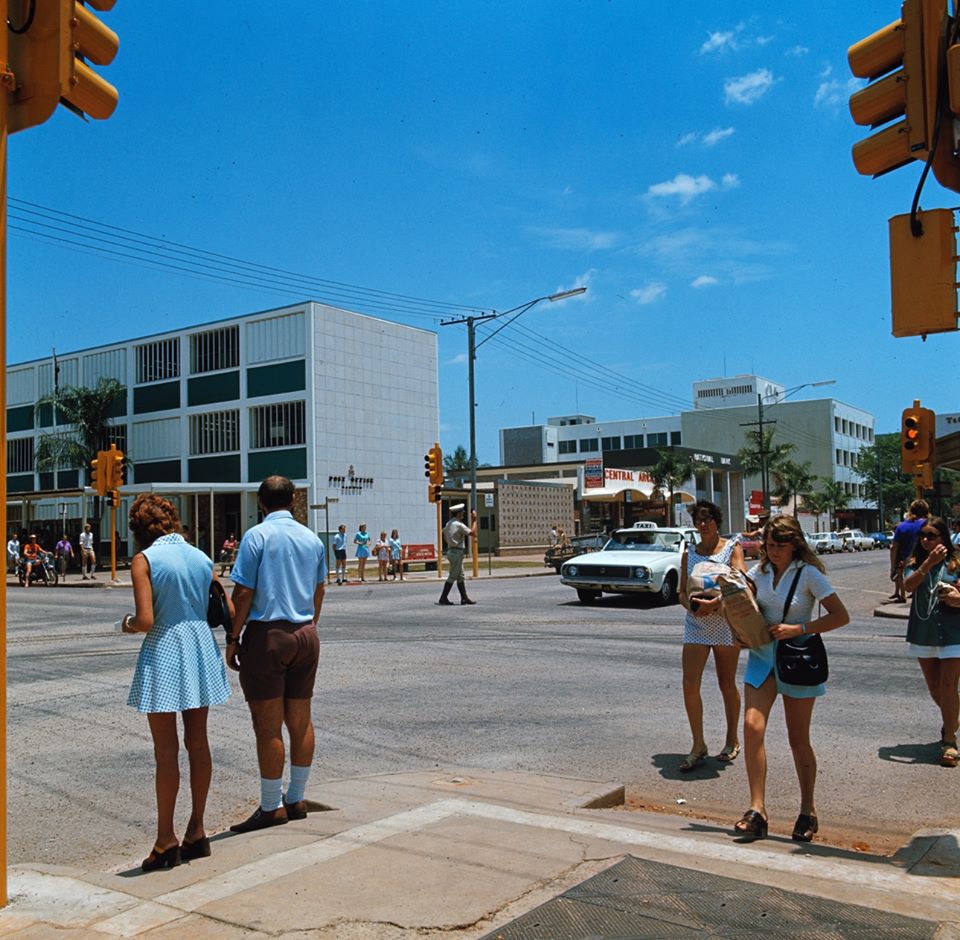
(454, 853)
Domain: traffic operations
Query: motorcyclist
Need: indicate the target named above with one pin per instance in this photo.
(32, 555)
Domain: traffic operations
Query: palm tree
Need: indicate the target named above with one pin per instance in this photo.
(754, 458)
(835, 498)
(815, 503)
(671, 471)
(86, 414)
(793, 480)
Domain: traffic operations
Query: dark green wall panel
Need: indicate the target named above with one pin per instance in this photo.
(205, 389)
(224, 469)
(21, 483)
(149, 398)
(291, 463)
(275, 380)
(20, 419)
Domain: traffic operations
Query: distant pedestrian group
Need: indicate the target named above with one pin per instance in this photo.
(388, 553)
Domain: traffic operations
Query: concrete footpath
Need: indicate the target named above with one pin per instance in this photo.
(474, 854)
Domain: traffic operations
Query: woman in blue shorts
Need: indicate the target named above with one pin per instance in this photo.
(783, 550)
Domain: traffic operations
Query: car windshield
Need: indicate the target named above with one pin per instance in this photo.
(644, 540)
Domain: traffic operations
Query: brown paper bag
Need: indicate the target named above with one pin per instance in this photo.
(739, 605)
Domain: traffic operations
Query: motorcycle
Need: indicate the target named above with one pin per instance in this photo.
(43, 571)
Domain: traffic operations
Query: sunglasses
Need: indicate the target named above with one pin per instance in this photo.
(929, 535)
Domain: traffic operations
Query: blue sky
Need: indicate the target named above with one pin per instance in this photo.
(689, 164)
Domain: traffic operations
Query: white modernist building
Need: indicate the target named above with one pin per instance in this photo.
(344, 404)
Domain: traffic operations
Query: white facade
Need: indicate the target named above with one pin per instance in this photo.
(346, 405)
(736, 391)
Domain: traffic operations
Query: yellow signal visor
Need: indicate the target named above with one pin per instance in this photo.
(880, 102)
(91, 94)
(923, 274)
(879, 153)
(878, 53)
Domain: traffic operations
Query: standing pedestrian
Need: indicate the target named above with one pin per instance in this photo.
(933, 628)
(788, 570)
(455, 534)
(179, 669)
(228, 551)
(280, 577)
(88, 558)
(554, 535)
(340, 553)
(63, 553)
(382, 551)
(13, 552)
(704, 631)
(396, 554)
(905, 537)
(362, 541)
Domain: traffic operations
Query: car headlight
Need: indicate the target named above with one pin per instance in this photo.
(642, 573)
(570, 570)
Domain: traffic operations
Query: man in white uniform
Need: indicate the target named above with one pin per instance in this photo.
(88, 560)
(455, 534)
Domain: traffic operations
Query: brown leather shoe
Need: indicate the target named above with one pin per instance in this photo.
(261, 819)
(297, 810)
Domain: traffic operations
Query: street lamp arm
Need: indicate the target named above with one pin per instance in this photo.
(796, 388)
(523, 308)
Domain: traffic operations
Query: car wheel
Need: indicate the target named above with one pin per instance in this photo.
(668, 590)
(586, 596)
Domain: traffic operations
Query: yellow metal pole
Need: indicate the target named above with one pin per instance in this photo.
(7, 81)
(439, 539)
(475, 541)
(113, 541)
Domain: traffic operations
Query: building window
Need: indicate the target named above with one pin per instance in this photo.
(674, 438)
(657, 440)
(20, 455)
(158, 361)
(610, 443)
(836, 424)
(568, 447)
(280, 425)
(588, 445)
(215, 349)
(115, 434)
(217, 432)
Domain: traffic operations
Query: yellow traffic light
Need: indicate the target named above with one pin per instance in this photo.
(114, 465)
(917, 437)
(98, 473)
(434, 492)
(923, 274)
(49, 51)
(433, 465)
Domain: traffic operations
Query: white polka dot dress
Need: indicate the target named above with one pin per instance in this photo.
(712, 629)
(180, 665)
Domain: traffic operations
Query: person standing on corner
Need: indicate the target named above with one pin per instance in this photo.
(340, 553)
(280, 576)
(88, 558)
(455, 534)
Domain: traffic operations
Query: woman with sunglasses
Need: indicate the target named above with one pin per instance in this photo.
(783, 551)
(933, 630)
(704, 630)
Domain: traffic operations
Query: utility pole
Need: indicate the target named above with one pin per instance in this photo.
(762, 450)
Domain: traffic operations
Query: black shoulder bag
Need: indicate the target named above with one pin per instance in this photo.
(801, 660)
(218, 611)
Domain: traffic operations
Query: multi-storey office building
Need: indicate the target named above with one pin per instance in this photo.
(343, 404)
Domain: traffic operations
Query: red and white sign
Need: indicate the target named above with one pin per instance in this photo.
(419, 553)
(592, 473)
(756, 502)
(613, 475)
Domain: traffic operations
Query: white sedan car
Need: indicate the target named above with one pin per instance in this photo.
(645, 561)
(855, 540)
(823, 542)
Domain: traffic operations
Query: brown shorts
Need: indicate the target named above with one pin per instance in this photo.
(278, 659)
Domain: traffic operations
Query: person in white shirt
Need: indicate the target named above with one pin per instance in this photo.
(13, 552)
(88, 559)
(340, 553)
(455, 534)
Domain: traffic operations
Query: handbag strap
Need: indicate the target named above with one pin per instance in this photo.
(791, 592)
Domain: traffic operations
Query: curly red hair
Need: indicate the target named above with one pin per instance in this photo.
(152, 516)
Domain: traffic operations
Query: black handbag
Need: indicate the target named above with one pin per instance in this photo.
(801, 660)
(218, 611)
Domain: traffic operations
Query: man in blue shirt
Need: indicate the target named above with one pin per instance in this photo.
(340, 553)
(904, 542)
(279, 577)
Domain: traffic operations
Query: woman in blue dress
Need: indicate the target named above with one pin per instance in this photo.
(362, 541)
(396, 554)
(933, 630)
(179, 668)
(783, 550)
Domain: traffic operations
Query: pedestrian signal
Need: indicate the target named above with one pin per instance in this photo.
(917, 437)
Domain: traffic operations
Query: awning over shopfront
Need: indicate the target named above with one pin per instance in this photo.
(614, 493)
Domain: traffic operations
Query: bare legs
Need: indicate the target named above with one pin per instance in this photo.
(694, 660)
(269, 716)
(942, 677)
(166, 750)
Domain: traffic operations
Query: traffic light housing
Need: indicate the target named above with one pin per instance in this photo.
(923, 273)
(908, 65)
(114, 465)
(98, 474)
(49, 51)
(917, 437)
(433, 465)
(435, 492)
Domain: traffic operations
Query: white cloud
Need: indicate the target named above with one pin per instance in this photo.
(684, 139)
(749, 88)
(719, 41)
(832, 93)
(574, 239)
(653, 292)
(684, 186)
(730, 181)
(581, 280)
(705, 280)
(457, 360)
(764, 40)
(798, 51)
(714, 137)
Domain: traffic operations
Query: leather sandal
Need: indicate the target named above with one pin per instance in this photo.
(157, 859)
(693, 760)
(730, 752)
(949, 756)
(751, 826)
(805, 828)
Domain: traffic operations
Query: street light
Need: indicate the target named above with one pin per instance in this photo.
(325, 505)
(761, 444)
(472, 347)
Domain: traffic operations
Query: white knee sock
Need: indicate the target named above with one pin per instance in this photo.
(271, 792)
(298, 783)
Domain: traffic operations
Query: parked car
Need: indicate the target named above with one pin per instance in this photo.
(880, 539)
(750, 546)
(579, 545)
(645, 561)
(854, 540)
(823, 542)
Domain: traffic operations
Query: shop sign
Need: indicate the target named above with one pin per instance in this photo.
(593, 472)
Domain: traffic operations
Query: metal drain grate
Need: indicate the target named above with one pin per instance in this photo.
(641, 900)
